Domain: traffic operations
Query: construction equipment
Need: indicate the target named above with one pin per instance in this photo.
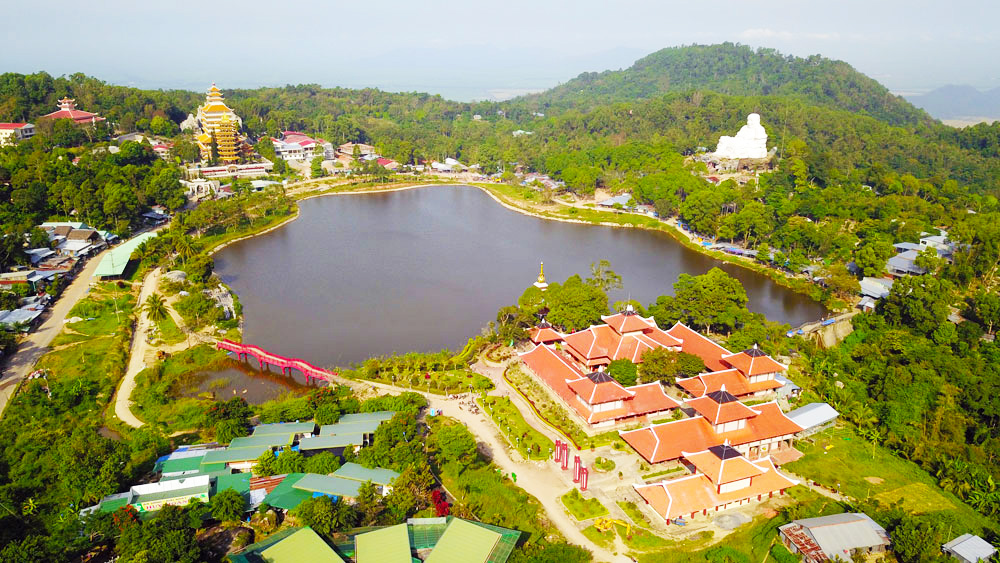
(605, 524)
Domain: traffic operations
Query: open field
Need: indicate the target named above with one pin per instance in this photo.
(840, 458)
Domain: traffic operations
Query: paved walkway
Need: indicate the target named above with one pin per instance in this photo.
(137, 353)
(37, 342)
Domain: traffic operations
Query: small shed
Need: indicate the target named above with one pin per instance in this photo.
(813, 417)
(969, 548)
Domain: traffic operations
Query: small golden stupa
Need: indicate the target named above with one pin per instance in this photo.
(540, 284)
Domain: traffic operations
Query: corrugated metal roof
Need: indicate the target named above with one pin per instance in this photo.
(233, 454)
(355, 472)
(303, 545)
(839, 534)
(813, 414)
(464, 542)
(262, 440)
(970, 548)
(355, 427)
(328, 485)
(327, 442)
(284, 428)
(380, 416)
(114, 262)
(387, 545)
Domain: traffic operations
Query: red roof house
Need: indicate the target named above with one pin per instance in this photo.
(625, 335)
(750, 372)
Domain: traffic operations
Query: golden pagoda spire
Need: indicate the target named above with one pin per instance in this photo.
(540, 284)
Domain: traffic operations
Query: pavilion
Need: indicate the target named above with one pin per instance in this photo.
(67, 110)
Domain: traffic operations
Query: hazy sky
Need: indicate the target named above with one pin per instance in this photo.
(466, 50)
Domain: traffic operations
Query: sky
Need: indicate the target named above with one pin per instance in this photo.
(480, 50)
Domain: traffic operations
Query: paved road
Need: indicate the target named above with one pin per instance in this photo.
(37, 342)
(137, 354)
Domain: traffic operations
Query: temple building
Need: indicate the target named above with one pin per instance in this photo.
(750, 373)
(217, 121)
(596, 397)
(721, 478)
(720, 418)
(67, 110)
(625, 335)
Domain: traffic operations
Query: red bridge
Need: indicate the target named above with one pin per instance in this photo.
(266, 358)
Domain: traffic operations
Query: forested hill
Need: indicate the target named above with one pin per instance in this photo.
(740, 71)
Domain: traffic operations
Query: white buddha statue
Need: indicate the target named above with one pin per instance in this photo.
(750, 142)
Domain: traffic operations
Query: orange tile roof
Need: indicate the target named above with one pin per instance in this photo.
(734, 382)
(599, 387)
(695, 493)
(723, 464)
(632, 322)
(600, 344)
(649, 398)
(753, 362)
(693, 342)
(544, 335)
(668, 441)
(717, 410)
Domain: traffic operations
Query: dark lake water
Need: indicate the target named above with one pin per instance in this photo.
(424, 269)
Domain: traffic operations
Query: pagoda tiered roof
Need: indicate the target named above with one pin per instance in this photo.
(602, 344)
(720, 407)
(753, 362)
(67, 110)
(734, 382)
(722, 464)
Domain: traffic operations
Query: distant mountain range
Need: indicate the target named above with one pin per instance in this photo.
(959, 102)
(737, 70)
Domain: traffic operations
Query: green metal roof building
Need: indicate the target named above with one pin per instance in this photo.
(379, 416)
(295, 545)
(387, 545)
(355, 472)
(328, 485)
(358, 427)
(217, 459)
(331, 442)
(270, 440)
(284, 428)
(114, 262)
(285, 496)
(464, 542)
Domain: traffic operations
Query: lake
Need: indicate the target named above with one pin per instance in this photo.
(362, 275)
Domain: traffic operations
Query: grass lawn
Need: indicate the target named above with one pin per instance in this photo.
(634, 513)
(642, 540)
(439, 382)
(533, 444)
(104, 307)
(64, 338)
(169, 331)
(839, 456)
(79, 361)
(603, 465)
(582, 508)
(600, 538)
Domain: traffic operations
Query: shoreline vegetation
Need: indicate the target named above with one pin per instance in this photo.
(509, 197)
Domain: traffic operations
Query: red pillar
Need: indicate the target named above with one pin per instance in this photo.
(584, 477)
(558, 451)
(565, 456)
(576, 469)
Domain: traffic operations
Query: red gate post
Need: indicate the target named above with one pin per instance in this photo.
(558, 451)
(565, 456)
(576, 469)
(584, 475)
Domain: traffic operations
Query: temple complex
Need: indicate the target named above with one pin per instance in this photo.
(749, 142)
(750, 373)
(67, 110)
(721, 478)
(625, 335)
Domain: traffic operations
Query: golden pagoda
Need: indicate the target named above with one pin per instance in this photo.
(227, 141)
(540, 284)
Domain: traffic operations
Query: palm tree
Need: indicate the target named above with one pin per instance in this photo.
(155, 307)
(29, 507)
(184, 248)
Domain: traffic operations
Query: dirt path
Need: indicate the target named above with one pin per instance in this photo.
(137, 355)
(37, 342)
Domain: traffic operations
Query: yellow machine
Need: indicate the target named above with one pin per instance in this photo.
(605, 524)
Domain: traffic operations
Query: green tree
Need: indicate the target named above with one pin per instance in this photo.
(712, 300)
(456, 443)
(574, 304)
(316, 169)
(228, 506)
(624, 372)
(603, 277)
(918, 302)
(666, 366)
(227, 430)
(265, 465)
(290, 462)
(155, 307)
(872, 255)
(322, 463)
